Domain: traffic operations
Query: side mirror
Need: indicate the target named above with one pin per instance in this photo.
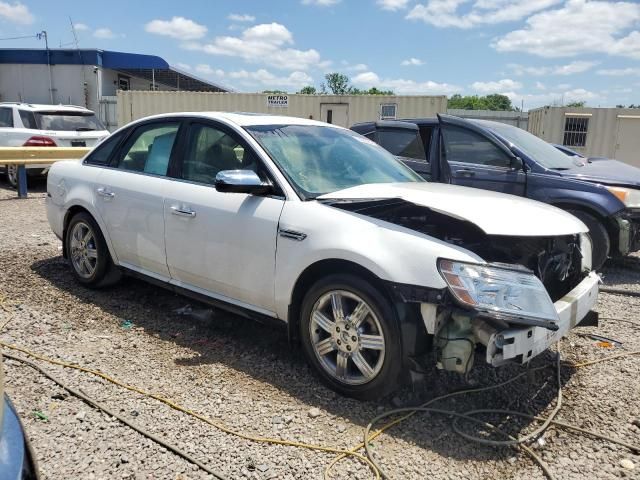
(517, 163)
(241, 181)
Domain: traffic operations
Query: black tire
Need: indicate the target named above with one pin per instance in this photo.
(381, 320)
(599, 238)
(12, 175)
(102, 273)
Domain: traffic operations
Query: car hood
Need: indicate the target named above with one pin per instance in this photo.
(494, 213)
(611, 172)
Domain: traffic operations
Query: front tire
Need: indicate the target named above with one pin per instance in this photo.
(350, 336)
(599, 238)
(87, 250)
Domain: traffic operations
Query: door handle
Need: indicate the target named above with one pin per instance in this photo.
(182, 211)
(103, 192)
(465, 172)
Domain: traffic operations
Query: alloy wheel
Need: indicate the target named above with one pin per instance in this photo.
(347, 337)
(83, 250)
(12, 174)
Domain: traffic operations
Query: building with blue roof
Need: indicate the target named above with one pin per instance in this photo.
(88, 77)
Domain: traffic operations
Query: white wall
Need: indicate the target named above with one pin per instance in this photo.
(72, 84)
(133, 105)
(603, 135)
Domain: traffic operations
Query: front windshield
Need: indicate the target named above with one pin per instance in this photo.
(319, 160)
(537, 149)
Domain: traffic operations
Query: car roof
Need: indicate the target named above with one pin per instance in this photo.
(245, 119)
(39, 107)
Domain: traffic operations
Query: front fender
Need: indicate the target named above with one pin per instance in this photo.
(557, 190)
(390, 252)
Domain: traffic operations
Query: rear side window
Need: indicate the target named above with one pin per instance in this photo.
(403, 143)
(6, 117)
(149, 149)
(102, 154)
(28, 120)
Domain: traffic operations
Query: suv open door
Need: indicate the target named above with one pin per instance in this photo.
(478, 159)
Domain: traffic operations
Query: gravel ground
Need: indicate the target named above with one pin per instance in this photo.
(246, 376)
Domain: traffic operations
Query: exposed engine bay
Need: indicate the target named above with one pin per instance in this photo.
(556, 261)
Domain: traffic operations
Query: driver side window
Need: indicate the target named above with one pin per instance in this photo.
(465, 146)
(210, 150)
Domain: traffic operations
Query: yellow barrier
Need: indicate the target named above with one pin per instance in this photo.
(39, 155)
(23, 156)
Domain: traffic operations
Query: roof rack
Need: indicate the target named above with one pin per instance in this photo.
(16, 103)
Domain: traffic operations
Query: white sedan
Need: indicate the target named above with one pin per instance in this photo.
(375, 271)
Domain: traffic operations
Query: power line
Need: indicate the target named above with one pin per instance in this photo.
(20, 38)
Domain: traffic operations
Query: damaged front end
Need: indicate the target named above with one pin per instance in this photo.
(527, 295)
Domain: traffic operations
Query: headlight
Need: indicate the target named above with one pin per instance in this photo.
(501, 292)
(628, 196)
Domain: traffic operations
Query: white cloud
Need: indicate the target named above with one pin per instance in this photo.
(576, 28)
(413, 62)
(16, 13)
(205, 69)
(106, 33)
(184, 66)
(619, 72)
(358, 67)
(506, 85)
(236, 17)
(265, 79)
(81, 27)
(265, 43)
(393, 5)
(402, 86)
(568, 69)
(540, 86)
(444, 13)
(178, 27)
(555, 97)
(320, 3)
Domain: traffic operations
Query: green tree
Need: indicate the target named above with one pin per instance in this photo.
(494, 101)
(576, 104)
(308, 90)
(338, 83)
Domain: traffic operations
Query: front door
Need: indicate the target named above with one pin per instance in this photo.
(129, 198)
(335, 113)
(221, 244)
(476, 161)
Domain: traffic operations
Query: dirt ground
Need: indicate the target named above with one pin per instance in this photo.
(246, 376)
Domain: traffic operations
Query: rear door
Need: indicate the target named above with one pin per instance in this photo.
(405, 142)
(130, 197)
(476, 160)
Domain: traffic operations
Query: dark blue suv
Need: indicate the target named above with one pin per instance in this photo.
(605, 194)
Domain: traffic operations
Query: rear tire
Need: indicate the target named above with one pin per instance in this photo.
(599, 238)
(12, 175)
(350, 336)
(88, 253)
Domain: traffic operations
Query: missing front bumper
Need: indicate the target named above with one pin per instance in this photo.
(522, 344)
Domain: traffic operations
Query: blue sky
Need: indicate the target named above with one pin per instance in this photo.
(536, 51)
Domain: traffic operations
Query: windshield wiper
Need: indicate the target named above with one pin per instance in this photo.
(85, 129)
(559, 168)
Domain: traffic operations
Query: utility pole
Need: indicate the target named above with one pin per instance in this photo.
(41, 35)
